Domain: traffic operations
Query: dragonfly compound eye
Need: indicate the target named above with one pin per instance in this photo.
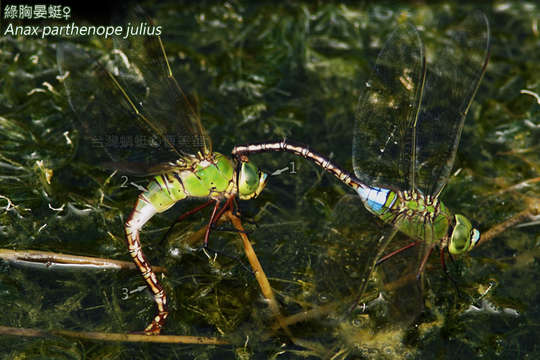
(250, 181)
(464, 237)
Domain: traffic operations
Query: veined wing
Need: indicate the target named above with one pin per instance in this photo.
(128, 103)
(383, 134)
(451, 84)
(391, 288)
(162, 103)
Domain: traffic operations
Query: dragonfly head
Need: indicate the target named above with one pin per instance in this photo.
(464, 237)
(250, 180)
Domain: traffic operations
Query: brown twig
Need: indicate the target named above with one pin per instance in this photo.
(519, 186)
(258, 271)
(320, 311)
(101, 336)
(499, 228)
(266, 289)
(47, 259)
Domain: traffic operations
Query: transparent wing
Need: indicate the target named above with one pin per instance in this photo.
(389, 291)
(128, 106)
(383, 133)
(404, 292)
(451, 83)
(161, 101)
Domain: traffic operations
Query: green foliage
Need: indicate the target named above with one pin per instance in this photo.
(264, 72)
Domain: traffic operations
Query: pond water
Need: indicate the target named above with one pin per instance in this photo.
(261, 72)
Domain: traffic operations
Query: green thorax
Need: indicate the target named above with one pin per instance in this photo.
(420, 217)
(191, 176)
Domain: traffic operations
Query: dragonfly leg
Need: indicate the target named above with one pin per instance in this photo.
(443, 262)
(395, 252)
(450, 256)
(235, 210)
(222, 253)
(216, 216)
(424, 261)
(228, 205)
(212, 219)
(182, 217)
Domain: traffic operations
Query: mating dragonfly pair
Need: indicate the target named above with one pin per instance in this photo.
(406, 134)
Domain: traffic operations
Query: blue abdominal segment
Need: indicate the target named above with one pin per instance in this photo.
(375, 198)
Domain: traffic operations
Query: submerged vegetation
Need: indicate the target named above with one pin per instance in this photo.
(267, 72)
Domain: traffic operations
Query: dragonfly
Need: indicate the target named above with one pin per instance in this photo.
(138, 119)
(408, 124)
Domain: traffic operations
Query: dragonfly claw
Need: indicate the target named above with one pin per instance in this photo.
(155, 326)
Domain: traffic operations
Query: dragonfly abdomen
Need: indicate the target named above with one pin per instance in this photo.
(211, 177)
(377, 200)
(304, 152)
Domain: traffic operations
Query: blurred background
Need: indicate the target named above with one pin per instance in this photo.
(265, 71)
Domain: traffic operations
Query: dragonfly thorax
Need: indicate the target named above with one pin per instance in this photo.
(421, 217)
(414, 203)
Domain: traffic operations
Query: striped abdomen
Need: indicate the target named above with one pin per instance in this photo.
(193, 177)
(304, 152)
